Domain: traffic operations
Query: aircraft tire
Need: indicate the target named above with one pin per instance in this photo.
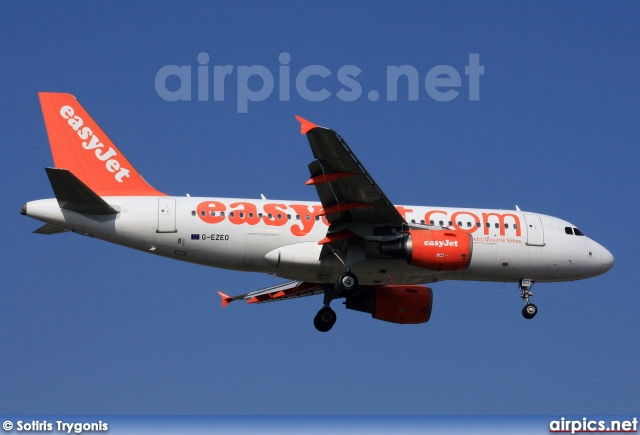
(529, 311)
(325, 319)
(347, 282)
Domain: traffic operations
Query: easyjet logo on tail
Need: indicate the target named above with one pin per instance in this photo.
(92, 142)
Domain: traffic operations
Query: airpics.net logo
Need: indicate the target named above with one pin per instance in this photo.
(314, 83)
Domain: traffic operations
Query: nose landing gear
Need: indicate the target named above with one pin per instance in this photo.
(529, 310)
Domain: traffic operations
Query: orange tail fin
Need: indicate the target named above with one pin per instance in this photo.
(79, 145)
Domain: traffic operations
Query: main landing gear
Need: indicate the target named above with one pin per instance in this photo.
(326, 317)
(529, 310)
(347, 282)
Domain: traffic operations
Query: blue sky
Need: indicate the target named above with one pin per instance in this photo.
(93, 328)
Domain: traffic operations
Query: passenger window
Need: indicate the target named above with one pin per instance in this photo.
(431, 222)
(468, 224)
(488, 225)
(441, 223)
(212, 213)
(450, 223)
(222, 213)
(497, 225)
(289, 216)
(193, 212)
(317, 218)
(506, 226)
(413, 221)
(515, 226)
(578, 232)
(232, 214)
(250, 215)
(202, 213)
(478, 225)
(459, 223)
(241, 215)
(422, 221)
(568, 230)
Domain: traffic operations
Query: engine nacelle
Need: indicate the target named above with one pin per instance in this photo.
(448, 250)
(395, 303)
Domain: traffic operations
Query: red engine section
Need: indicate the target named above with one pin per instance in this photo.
(395, 303)
(448, 250)
(403, 304)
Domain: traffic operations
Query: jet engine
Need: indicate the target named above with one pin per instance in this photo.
(447, 250)
(394, 303)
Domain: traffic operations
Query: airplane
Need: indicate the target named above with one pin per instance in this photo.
(353, 244)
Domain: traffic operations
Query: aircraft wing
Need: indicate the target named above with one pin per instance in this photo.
(280, 292)
(353, 203)
(346, 190)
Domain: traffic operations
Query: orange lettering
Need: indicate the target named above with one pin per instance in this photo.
(476, 221)
(403, 211)
(307, 219)
(206, 211)
(516, 221)
(275, 214)
(248, 214)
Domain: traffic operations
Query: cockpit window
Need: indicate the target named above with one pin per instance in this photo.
(578, 232)
(568, 230)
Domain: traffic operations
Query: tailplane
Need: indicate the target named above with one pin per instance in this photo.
(79, 145)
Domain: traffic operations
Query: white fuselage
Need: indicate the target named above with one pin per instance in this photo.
(281, 238)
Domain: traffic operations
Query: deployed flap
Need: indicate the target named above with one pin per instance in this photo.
(72, 194)
(280, 292)
(50, 229)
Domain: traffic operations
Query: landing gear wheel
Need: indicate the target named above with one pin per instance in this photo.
(529, 311)
(325, 319)
(347, 282)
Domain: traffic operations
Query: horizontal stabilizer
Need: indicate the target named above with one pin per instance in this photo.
(72, 194)
(225, 299)
(50, 229)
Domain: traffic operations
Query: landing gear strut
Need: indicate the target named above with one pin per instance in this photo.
(345, 286)
(529, 310)
(326, 317)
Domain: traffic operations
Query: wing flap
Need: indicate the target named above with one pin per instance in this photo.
(50, 229)
(280, 292)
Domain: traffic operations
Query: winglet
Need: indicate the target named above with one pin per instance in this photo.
(225, 299)
(305, 125)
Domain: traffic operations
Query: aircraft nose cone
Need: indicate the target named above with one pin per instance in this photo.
(607, 260)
